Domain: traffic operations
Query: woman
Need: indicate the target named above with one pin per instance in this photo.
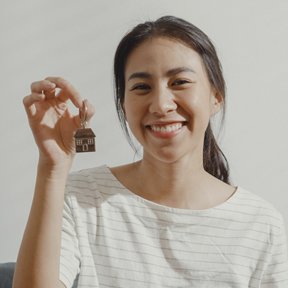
(169, 220)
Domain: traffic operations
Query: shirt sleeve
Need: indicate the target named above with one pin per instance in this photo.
(70, 256)
(276, 273)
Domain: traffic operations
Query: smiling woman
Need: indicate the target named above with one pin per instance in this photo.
(184, 35)
(171, 219)
(170, 94)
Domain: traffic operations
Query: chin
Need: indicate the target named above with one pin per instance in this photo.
(167, 156)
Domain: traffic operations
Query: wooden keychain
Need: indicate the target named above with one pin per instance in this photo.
(85, 137)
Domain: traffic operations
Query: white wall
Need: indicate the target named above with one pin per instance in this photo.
(77, 40)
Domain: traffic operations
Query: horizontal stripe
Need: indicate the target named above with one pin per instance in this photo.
(124, 239)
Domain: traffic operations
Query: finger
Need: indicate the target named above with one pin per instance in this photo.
(67, 91)
(44, 85)
(90, 113)
(91, 110)
(49, 94)
(29, 103)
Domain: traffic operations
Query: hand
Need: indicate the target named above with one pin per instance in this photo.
(51, 121)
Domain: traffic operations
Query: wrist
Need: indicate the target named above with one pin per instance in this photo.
(53, 170)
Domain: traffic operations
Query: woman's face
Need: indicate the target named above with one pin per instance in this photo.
(168, 99)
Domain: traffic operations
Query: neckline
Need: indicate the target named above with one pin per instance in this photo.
(172, 209)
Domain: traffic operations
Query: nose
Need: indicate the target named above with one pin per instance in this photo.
(162, 101)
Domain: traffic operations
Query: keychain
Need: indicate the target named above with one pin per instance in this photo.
(85, 137)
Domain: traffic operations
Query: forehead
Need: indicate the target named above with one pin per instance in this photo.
(162, 53)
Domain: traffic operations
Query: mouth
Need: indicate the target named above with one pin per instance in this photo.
(167, 128)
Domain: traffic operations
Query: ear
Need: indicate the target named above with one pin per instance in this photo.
(216, 103)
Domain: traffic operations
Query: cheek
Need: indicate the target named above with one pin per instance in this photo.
(133, 111)
(196, 111)
(196, 106)
(202, 101)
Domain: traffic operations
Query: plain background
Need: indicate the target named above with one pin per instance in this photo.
(77, 40)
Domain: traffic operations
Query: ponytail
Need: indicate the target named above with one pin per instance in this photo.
(214, 161)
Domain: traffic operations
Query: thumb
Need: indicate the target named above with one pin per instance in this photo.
(85, 114)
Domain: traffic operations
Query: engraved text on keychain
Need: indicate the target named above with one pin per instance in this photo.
(85, 137)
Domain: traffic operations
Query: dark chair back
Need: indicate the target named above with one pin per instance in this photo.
(6, 274)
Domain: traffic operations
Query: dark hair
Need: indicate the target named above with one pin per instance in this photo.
(214, 160)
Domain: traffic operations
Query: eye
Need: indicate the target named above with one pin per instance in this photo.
(180, 82)
(141, 87)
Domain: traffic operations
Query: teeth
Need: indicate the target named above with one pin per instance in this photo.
(167, 128)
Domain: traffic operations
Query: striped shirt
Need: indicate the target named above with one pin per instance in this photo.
(114, 238)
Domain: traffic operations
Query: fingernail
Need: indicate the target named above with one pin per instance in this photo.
(64, 83)
(51, 85)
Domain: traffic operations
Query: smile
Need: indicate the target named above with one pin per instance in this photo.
(167, 128)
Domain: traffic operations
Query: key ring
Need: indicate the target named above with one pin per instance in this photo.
(83, 123)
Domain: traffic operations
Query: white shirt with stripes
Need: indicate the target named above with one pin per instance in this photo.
(114, 238)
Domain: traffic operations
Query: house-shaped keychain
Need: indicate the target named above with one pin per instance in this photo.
(85, 137)
(85, 140)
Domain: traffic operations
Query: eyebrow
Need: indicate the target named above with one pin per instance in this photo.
(140, 75)
(171, 72)
(179, 70)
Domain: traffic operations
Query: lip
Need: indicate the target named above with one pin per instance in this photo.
(167, 122)
(166, 135)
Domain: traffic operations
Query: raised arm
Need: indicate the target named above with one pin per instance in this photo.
(53, 127)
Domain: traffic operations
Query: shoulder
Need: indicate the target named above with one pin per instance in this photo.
(257, 207)
(92, 177)
(97, 182)
(90, 173)
(87, 177)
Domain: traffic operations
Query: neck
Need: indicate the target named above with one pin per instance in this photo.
(182, 184)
